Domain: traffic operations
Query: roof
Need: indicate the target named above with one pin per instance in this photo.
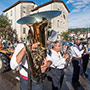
(17, 4)
(50, 3)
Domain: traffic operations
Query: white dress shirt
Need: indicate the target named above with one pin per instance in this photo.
(13, 62)
(57, 59)
(87, 51)
(75, 52)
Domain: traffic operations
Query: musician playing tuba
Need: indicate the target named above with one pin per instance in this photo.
(32, 55)
(35, 51)
(19, 59)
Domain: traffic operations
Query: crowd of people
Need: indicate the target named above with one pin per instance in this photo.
(4, 44)
(56, 61)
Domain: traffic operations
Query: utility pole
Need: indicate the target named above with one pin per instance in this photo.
(87, 35)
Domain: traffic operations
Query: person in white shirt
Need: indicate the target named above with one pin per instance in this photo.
(76, 54)
(19, 59)
(57, 63)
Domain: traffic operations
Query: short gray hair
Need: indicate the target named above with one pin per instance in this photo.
(54, 44)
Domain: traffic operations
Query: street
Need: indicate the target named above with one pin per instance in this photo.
(10, 81)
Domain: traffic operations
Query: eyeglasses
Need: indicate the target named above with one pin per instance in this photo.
(58, 45)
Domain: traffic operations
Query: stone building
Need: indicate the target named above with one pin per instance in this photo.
(23, 8)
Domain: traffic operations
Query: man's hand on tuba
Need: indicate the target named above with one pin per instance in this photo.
(45, 65)
(35, 45)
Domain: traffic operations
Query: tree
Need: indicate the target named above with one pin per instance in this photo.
(5, 28)
(65, 35)
(76, 30)
(4, 21)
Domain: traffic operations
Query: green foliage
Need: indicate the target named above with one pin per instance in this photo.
(76, 30)
(4, 21)
(65, 35)
(5, 29)
(7, 33)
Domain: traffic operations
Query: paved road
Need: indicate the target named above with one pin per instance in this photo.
(10, 81)
(85, 82)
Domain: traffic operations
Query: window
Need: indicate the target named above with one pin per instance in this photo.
(11, 22)
(58, 9)
(58, 23)
(7, 14)
(11, 12)
(58, 36)
(64, 16)
(24, 10)
(24, 30)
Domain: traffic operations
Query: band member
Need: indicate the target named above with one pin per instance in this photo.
(85, 59)
(19, 59)
(77, 62)
(57, 64)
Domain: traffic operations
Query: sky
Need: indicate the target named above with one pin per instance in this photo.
(79, 16)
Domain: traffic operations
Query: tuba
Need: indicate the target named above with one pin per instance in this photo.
(37, 33)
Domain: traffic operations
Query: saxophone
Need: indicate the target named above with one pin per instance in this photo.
(38, 33)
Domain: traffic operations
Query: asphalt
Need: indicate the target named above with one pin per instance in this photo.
(10, 80)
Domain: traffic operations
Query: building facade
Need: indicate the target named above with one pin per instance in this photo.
(15, 12)
(24, 8)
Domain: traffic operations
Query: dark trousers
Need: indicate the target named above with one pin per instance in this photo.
(85, 62)
(77, 67)
(57, 79)
(24, 85)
